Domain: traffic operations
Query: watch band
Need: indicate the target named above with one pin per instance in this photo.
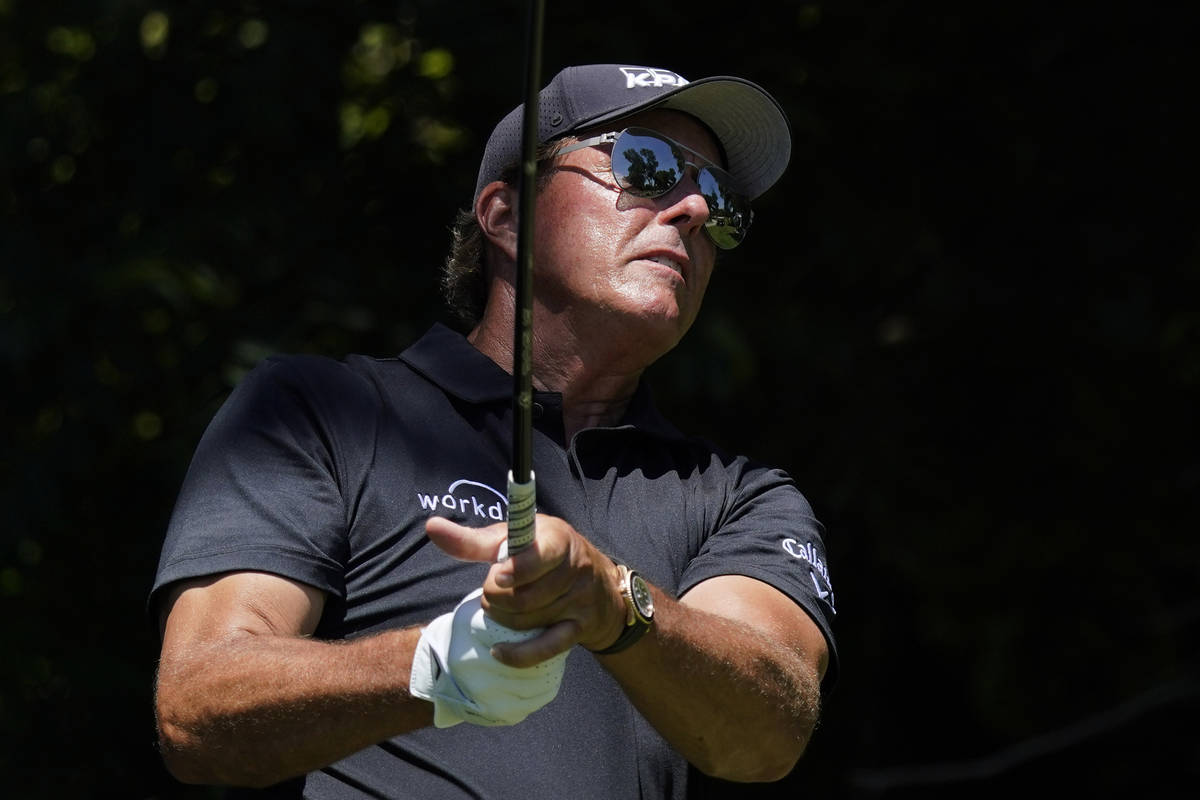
(636, 625)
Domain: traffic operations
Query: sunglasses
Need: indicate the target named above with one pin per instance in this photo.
(648, 164)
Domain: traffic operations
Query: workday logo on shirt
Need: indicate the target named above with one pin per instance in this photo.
(471, 499)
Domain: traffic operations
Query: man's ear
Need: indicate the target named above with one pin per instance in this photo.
(496, 213)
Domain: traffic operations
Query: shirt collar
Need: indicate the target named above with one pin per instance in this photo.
(445, 357)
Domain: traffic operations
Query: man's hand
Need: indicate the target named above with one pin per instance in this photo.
(453, 667)
(560, 583)
(730, 675)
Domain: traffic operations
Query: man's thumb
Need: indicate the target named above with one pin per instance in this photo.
(466, 544)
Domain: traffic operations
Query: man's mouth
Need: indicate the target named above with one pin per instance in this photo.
(667, 262)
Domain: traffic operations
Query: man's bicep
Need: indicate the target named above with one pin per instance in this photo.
(765, 608)
(217, 606)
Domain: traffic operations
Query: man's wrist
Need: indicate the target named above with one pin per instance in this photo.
(639, 610)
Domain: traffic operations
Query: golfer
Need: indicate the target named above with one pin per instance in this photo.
(339, 616)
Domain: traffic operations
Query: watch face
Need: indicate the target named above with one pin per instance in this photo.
(641, 596)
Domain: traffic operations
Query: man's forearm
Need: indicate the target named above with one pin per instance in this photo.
(246, 710)
(737, 703)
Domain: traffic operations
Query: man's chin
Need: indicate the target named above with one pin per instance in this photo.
(662, 326)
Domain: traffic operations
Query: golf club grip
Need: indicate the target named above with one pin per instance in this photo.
(522, 509)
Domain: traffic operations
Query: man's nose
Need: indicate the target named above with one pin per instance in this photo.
(686, 205)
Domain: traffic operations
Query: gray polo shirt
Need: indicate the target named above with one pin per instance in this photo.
(324, 471)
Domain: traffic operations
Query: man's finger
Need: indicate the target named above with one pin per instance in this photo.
(466, 544)
(558, 638)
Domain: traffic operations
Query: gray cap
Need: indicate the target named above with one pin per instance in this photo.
(749, 124)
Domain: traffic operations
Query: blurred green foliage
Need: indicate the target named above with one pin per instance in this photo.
(966, 321)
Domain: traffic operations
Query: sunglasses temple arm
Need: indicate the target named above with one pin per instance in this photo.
(604, 138)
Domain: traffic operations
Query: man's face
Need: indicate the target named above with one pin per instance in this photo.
(607, 256)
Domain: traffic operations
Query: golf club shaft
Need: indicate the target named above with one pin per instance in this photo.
(522, 494)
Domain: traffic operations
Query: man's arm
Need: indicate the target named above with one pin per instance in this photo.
(729, 675)
(244, 697)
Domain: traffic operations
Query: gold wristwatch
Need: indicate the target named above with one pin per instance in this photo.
(639, 610)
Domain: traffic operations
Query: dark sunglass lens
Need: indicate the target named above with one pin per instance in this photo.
(728, 210)
(645, 165)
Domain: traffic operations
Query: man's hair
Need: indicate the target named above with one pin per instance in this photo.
(464, 275)
(464, 285)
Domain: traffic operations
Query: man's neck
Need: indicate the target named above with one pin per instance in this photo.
(594, 378)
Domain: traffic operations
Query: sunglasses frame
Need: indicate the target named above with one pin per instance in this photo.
(723, 178)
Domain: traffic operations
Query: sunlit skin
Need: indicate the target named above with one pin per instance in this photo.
(594, 243)
(604, 308)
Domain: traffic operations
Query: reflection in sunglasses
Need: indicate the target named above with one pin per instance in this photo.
(642, 173)
(647, 164)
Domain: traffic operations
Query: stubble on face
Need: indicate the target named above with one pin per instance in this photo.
(611, 257)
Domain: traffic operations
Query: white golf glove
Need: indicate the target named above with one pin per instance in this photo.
(454, 668)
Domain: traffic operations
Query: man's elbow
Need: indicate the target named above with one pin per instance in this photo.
(760, 771)
(181, 748)
(190, 762)
(180, 754)
(189, 756)
(754, 764)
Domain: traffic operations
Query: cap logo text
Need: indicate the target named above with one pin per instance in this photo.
(646, 77)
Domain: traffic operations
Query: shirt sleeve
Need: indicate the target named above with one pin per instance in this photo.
(767, 531)
(264, 488)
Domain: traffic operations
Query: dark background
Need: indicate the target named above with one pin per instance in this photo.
(967, 321)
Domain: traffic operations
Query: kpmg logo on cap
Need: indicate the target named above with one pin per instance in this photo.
(649, 77)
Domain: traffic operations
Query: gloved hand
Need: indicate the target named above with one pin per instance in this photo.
(454, 668)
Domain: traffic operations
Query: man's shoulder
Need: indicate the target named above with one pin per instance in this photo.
(321, 374)
(327, 390)
(348, 372)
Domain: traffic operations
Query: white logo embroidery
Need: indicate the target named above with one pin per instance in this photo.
(644, 77)
(461, 497)
(806, 552)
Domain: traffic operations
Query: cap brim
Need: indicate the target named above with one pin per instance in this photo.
(750, 125)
